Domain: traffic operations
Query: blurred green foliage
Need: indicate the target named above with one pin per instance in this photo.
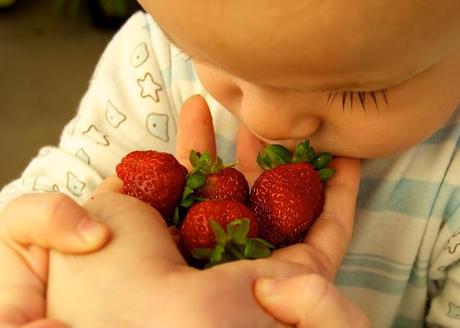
(106, 14)
(111, 8)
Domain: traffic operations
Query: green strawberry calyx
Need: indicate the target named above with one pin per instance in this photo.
(233, 244)
(274, 155)
(202, 166)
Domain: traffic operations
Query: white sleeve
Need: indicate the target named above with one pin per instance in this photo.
(444, 273)
(444, 308)
(127, 107)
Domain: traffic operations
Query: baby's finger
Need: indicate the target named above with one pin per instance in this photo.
(175, 235)
(328, 238)
(45, 323)
(136, 228)
(51, 220)
(14, 316)
(308, 301)
(195, 130)
(331, 232)
(247, 148)
(110, 184)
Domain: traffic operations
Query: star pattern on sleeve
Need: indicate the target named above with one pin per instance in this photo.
(149, 88)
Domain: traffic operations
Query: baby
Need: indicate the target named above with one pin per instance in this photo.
(374, 81)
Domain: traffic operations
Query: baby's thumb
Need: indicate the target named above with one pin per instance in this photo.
(51, 221)
(45, 323)
(307, 301)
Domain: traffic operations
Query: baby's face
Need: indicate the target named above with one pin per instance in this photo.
(360, 79)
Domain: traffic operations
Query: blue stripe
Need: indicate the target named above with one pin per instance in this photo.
(381, 258)
(418, 278)
(376, 264)
(451, 211)
(417, 274)
(449, 132)
(370, 280)
(410, 197)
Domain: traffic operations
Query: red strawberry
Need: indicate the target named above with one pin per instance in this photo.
(203, 235)
(154, 177)
(228, 183)
(289, 196)
(213, 180)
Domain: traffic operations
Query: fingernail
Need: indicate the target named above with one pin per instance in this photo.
(90, 230)
(269, 286)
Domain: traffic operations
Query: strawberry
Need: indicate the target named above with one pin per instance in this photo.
(227, 183)
(289, 195)
(203, 235)
(211, 180)
(153, 177)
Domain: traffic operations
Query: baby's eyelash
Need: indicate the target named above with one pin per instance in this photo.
(349, 96)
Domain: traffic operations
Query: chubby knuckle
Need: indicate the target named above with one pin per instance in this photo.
(9, 213)
(308, 256)
(10, 207)
(337, 224)
(57, 206)
(302, 253)
(318, 290)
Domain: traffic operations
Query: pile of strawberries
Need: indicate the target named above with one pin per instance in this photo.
(219, 217)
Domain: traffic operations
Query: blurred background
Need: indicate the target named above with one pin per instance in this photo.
(48, 50)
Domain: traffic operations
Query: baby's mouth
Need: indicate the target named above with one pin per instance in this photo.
(288, 143)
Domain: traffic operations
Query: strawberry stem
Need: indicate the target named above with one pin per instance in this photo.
(202, 253)
(322, 160)
(326, 173)
(238, 230)
(219, 232)
(235, 252)
(304, 153)
(196, 180)
(274, 155)
(233, 244)
(202, 166)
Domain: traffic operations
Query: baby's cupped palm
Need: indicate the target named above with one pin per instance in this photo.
(141, 280)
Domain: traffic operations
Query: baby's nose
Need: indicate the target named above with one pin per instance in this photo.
(277, 114)
(274, 127)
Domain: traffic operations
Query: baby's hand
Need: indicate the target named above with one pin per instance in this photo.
(29, 226)
(308, 301)
(312, 299)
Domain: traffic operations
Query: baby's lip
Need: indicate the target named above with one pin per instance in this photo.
(288, 143)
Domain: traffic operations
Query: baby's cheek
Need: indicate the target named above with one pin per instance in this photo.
(220, 86)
